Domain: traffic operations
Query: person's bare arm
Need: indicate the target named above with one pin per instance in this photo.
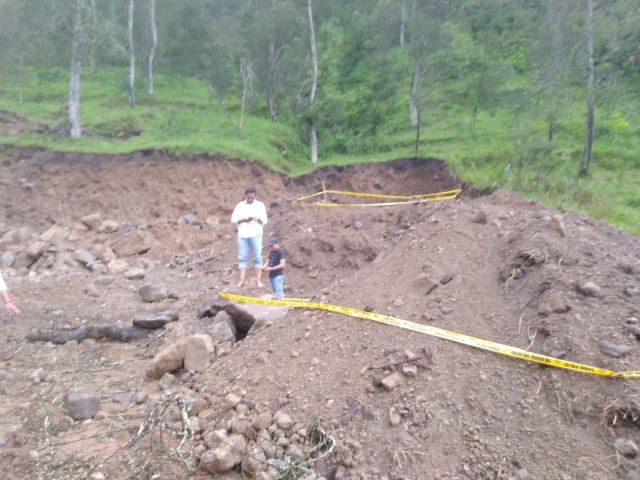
(9, 306)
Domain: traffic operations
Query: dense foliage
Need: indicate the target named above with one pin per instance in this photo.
(498, 86)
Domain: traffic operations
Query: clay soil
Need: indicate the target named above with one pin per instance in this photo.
(492, 265)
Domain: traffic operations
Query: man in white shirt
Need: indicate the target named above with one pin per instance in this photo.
(249, 217)
(9, 306)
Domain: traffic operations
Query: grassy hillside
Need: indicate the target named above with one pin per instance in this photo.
(504, 148)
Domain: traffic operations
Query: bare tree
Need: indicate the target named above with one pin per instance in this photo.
(154, 45)
(272, 72)
(588, 143)
(93, 41)
(555, 15)
(314, 83)
(403, 21)
(132, 58)
(74, 81)
(413, 94)
(246, 71)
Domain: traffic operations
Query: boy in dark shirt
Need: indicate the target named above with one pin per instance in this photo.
(276, 267)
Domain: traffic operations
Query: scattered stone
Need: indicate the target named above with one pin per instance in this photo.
(85, 258)
(446, 278)
(225, 456)
(123, 398)
(168, 360)
(167, 380)
(588, 289)
(557, 223)
(118, 266)
(155, 320)
(232, 400)
(135, 274)
(55, 234)
(198, 350)
(409, 370)
(108, 226)
(92, 220)
(153, 293)
(394, 417)
(132, 243)
(82, 403)
(479, 216)
(612, 349)
(627, 448)
(425, 283)
(392, 381)
(631, 290)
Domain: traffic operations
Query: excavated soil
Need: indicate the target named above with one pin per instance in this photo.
(492, 265)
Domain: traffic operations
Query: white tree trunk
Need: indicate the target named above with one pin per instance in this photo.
(154, 44)
(246, 71)
(413, 94)
(132, 58)
(314, 144)
(94, 26)
(588, 142)
(74, 82)
(272, 73)
(314, 83)
(403, 21)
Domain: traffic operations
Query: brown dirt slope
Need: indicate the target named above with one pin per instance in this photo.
(490, 265)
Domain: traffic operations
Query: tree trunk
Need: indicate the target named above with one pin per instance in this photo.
(247, 85)
(314, 83)
(555, 16)
(403, 21)
(74, 81)
(154, 44)
(314, 143)
(94, 26)
(132, 58)
(413, 94)
(417, 147)
(271, 81)
(314, 54)
(272, 71)
(588, 143)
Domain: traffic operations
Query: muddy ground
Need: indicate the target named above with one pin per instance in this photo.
(389, 403)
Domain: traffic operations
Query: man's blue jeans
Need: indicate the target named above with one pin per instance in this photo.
(277, 285)
(255, 245)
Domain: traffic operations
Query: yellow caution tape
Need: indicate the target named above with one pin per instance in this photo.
(437, 332)
(405, 199)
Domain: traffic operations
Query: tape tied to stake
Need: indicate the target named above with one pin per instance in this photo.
(437, 332)
(400, 199)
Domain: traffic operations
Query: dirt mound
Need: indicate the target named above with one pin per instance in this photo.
(366, 400)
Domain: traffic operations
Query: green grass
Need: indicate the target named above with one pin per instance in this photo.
(503, 148)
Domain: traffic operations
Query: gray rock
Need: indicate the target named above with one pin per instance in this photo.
(627, 448)
(155, 320)
(198, 350)
(225, 456)
(82, 403)
(153, 293)
(612, 349)
(135, 274)
(84, 257)
(392, 381)
(169, 359)
(479, 216)
(92, 220)
(109, 226)
(588, 289)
